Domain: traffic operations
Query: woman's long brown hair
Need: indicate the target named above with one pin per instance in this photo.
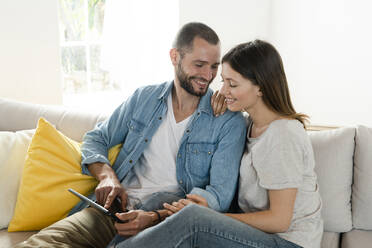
(261, 63)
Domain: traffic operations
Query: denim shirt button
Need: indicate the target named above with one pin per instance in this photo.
(209, 153)
(146, 140)
(188, 130)
(160, 118)
(179, 155)
(130, 161)
(181, 181)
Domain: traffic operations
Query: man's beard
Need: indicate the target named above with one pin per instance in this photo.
(186, 84)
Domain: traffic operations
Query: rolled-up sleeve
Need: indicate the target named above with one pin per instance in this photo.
(107, 134)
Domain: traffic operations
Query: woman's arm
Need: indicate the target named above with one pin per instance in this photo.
(277, 218)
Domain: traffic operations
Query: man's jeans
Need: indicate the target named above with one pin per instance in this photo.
(196, 226)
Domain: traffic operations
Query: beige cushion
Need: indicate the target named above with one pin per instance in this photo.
(333, 151)
(357, 239)
(330, 240)
(13, 149)
(362, 187)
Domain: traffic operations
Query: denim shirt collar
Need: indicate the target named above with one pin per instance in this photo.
(204, 104)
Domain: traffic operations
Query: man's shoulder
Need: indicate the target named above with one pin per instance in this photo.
(233, 119)
(234, 116)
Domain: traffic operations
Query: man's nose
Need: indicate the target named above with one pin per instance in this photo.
(207, 74)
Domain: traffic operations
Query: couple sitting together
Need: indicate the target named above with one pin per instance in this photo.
(185, 156)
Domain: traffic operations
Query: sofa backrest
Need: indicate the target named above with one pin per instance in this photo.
(16, 116)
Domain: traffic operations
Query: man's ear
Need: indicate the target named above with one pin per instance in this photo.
(174, 54)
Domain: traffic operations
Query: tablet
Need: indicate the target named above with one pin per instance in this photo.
(96, 206)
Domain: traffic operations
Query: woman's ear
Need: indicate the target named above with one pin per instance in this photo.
(259, 92)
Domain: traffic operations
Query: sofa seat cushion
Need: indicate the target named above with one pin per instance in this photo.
(357, 239)
(330, 240)
(11, 239)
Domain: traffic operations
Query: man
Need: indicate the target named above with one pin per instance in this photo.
(172, 146)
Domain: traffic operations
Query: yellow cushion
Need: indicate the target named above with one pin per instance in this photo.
(52, 166)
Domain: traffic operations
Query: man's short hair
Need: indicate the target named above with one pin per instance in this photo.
(186, 35)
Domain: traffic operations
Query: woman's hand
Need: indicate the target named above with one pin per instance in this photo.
(218, 104)
(190, 199)
(197, 199)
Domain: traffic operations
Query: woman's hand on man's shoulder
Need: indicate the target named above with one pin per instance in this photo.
(218, 104)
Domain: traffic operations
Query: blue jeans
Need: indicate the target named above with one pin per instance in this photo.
(154, 202)
(196, 226)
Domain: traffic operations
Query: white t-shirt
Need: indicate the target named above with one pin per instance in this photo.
(156, 168)
(282, 157)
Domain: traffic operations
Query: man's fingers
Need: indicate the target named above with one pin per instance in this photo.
(101, 195)
(110, 198)
(127, 233)
(124, 198)
(126, 229)
(128, 216)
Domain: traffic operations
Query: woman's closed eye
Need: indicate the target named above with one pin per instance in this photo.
(232, 85)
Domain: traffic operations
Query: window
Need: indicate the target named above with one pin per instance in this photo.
(110, 48)
(81, 26)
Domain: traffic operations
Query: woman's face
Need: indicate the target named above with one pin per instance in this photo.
(240, 93)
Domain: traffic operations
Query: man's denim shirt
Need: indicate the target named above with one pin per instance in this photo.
(210, 151)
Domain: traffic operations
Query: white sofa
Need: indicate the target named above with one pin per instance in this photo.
(343, 164)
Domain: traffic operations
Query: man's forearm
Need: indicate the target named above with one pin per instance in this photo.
(102, 171)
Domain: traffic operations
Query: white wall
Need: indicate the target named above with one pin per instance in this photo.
(235, 21)
(326, 48)
(325, 45)
(29, 51)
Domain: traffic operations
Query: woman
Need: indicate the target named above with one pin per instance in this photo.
(278, 190)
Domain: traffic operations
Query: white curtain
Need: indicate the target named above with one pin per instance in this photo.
(137, 37)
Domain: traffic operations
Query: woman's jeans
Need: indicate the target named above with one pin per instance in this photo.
(196, 226)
